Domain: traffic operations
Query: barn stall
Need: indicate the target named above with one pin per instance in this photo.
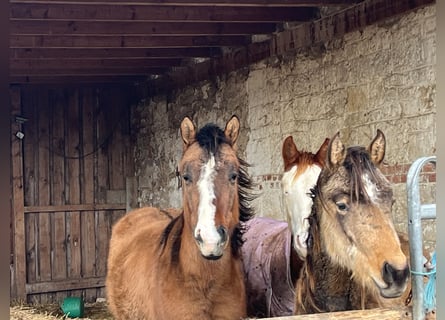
(98, 92)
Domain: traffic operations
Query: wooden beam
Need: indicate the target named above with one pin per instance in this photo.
(76, 80)
(158, 13)
(65, 285)
(42, 27)
(91, 71)
(240, 3)
(18, 201)
(124, 41)
(51, 53)
(75, 63)
(75, 207)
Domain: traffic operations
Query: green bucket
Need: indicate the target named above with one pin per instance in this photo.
(73, 307)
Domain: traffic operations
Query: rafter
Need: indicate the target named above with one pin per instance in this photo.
(240, 3)
(123, 53)
(107, 41)
(42, 27)
(157, 13)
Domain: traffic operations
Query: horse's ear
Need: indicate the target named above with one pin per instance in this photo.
(232, 130)
(336, 152)
(289, 152)
(320, 156)
(377, 148)
(188, 132)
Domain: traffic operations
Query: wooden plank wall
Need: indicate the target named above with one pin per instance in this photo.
(75, 151)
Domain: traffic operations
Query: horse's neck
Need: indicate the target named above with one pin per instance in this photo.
(328, 284)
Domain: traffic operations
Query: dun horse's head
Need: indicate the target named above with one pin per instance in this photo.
(356, 225)
(301, 170)
(210, 172)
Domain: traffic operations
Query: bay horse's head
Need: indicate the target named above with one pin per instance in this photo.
(301, 170)
(353, 200)
(213, 179)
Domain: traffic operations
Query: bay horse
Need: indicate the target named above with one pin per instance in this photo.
(354, 257)
(169, 264)
(272, 256)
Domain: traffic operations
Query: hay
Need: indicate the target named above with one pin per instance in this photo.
(92, 311)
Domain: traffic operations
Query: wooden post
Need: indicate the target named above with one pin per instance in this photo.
(131, 193)
(18, 199)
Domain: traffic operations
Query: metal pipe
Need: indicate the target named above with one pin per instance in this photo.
(417, 212)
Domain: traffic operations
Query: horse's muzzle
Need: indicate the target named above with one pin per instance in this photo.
(213, 249)
(395, 279)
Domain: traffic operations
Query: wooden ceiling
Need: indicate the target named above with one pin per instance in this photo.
(62, 41)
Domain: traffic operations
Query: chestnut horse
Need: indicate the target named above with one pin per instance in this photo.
(301, 171)
(272, 257)
(186, 265)
(354, 257)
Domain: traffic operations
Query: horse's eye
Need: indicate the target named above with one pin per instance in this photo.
(187, 178)
(232, 177)
(341, 206)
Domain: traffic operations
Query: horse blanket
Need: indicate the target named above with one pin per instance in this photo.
(266, 260)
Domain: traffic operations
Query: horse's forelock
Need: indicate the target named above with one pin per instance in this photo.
(210, 137)
(358, 164)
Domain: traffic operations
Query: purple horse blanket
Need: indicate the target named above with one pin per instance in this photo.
(266, 260)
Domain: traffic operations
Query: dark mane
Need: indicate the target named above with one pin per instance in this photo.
(357, 163)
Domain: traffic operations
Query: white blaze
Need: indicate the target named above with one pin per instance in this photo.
(370, 188)
(206, 208)
(298, 202)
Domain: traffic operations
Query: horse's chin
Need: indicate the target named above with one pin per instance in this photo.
(212, 257)
(390, 292)
(300, 245)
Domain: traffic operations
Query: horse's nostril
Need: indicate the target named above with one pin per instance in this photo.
(222, 231)
(392, 275)
(198, 238)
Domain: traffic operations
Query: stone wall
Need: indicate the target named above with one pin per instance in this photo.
(381, 77)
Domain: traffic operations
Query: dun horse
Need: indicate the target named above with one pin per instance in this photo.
(354, 258)
(186, 265)
(272, 253)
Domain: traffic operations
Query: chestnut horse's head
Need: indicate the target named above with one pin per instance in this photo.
(212, 181)
(301, 170)
(353, 203)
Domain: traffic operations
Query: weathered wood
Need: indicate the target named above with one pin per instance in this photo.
(30, 156)
(43, 179)
(91, 71)
(98, 50)
(88, 266)
(59, 261)
(67, 171)
(42, 27)
(248, 3)
(74, 284)
(18, 222)
(74, 207)
(102, 167)
(91, 63)
(131, 193)
(160, 13)
(72, 186)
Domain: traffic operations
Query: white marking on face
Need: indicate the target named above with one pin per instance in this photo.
(206, 208)
(371, 188)
(298, 203)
